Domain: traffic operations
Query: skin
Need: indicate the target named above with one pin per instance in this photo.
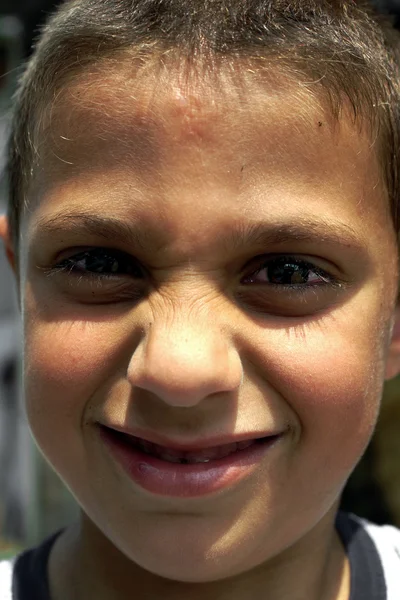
(199, 345)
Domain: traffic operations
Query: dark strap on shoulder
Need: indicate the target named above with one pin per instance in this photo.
(367, 574)
(30, 580)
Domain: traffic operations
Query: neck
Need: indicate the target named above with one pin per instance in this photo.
(85, 564)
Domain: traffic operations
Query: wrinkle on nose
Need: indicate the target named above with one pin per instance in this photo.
(184, 365)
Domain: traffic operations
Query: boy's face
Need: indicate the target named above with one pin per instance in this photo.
(198, 268)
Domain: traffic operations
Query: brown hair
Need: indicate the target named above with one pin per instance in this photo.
(340, 44)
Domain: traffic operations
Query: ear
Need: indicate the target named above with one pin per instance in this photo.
(6, 237)
(393, 357)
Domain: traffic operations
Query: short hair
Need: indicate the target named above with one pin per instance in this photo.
(340, 45)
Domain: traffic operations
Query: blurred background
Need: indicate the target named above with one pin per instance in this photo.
(33, 502)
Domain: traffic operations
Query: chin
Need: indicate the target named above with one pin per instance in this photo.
(188, 559)
(173, 568)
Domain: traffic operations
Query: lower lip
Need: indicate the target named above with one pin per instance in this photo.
(163, 478)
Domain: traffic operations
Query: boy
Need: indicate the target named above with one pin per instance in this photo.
(203, 224)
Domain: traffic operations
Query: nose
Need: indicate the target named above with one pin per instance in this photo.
(185, 362)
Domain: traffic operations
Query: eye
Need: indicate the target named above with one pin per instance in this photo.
(99, 276)
(291, 286)
(288, 271)
(101, 262)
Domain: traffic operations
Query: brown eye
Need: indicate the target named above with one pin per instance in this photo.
(102, 262)
(289, 286)
(287, 271)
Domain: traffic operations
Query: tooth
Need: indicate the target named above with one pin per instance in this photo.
(193, 457)
(168, 456)
(226, 450)
(146, 447)
(245, 444)
(201, 455)
(211, 453)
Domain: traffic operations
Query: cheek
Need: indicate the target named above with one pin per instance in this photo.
(59, 380)
(66, 363)
(331, 375)
(67, 356)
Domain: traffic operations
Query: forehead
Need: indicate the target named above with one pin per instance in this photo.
(147, 116)
(125, 142)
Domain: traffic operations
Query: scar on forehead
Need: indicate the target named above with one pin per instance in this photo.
(193, 114)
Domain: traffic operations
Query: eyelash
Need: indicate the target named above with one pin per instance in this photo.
(300, 265)
(70, 265)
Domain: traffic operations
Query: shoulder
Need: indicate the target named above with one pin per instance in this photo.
(387, 541)
(6, 577)
(25, 577)
(374, 549)
(386, 537)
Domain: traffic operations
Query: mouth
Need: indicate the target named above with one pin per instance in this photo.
(182, 471)
(187, 456)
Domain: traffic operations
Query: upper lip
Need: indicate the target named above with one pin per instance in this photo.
(195, 444)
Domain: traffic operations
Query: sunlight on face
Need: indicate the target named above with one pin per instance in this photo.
(203, 267)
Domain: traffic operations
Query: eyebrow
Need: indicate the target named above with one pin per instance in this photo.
(298, 229)
(107, 228)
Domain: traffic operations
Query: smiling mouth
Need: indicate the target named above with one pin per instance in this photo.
(186, 457)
